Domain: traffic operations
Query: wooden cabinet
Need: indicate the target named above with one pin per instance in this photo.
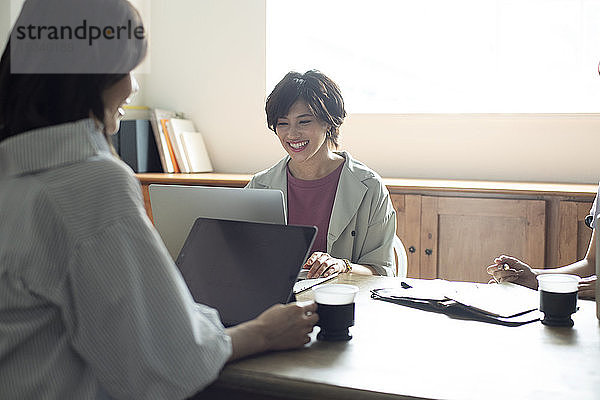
(454, 229)
(455, 238)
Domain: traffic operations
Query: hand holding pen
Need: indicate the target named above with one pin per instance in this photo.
(511, 269)
(321, 265)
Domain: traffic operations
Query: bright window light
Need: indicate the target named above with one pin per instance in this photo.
(440, 56)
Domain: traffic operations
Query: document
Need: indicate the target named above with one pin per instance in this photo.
(504, 303)
(504, 299)
(304, 284)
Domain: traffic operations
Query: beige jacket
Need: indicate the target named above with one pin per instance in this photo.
(363, 221)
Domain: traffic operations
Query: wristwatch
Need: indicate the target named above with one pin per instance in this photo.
(348, 265)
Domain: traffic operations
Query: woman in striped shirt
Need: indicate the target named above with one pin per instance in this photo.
(91, 304)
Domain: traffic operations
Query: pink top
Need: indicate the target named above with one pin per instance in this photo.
(311, 203)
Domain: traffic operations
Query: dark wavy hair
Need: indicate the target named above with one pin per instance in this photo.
(36, 100)
(322, 96)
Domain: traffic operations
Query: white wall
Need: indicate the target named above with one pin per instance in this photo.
(208, 60)
(544, 148)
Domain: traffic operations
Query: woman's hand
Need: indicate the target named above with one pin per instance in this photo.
(511, 269)
(322, 265)
(280, 327)
(288, 326)
(587, 287)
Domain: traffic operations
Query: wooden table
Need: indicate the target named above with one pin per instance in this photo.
(403, 353)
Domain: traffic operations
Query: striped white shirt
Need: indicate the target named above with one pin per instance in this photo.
(91, 304)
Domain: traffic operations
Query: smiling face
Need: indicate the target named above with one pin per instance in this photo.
(302, 134)
(114, 98)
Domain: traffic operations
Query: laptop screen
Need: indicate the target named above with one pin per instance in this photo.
(242, 268)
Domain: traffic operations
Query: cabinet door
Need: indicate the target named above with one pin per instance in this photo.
(461, 236)
(408, 228)
(573, 234)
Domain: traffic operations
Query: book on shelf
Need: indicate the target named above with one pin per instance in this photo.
(181, 147)
(134, 143)
(167, 158)
(195, 152)
(170, 152)
(189, 147)
(174, 126)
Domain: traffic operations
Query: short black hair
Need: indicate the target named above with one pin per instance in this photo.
(321, 94)
(35, 100)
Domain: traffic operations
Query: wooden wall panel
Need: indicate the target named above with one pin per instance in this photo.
(408, 229)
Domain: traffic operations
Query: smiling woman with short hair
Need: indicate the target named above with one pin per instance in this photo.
(345, 199)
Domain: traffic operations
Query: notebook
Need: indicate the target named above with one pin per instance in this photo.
(242, 268)
(504, 303)
(304, 284)
(176, 207)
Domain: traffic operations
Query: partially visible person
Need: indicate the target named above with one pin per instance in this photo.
(91, 304)
(346, 200)
(511, 269)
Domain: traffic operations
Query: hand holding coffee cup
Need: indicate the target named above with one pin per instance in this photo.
(558, 298)
(335, 306)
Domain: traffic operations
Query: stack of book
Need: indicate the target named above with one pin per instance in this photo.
(180, 146)
(154, 140)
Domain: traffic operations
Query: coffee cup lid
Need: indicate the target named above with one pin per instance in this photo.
(335, 294)
(558, 283)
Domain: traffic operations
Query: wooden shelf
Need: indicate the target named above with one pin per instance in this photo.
(208, 179)
(495, 187)
(399, 185)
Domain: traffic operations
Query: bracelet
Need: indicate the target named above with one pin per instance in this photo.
(348, 265)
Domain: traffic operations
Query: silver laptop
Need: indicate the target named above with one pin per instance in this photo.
(176, 207)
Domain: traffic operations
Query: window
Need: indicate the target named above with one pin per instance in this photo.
(439, 56)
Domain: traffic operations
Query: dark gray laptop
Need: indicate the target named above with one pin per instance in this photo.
(242, 268)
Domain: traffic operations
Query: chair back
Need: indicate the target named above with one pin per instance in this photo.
(400, 258)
